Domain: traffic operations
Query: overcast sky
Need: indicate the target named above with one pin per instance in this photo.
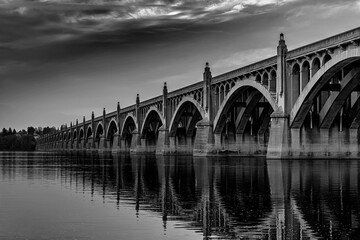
(60, 59)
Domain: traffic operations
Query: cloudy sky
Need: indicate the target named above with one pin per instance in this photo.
(62, 59)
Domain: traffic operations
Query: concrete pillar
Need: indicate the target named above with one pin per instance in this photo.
(90, 143)
(92, 139)
(281, 73)
(123, 147)
(295, 142)
(354, 142)
(76, 142)
(103, 143)
(135, 141)
(84, 141)
(278, 146)
(71, 136)
(207, 93)
(116, 143)
(204, 139)
(136, 135)
(163, 141)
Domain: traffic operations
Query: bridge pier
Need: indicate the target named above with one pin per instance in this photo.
(278, 146)
(135, 141)
(163, 142)
(204, 140)
(102, 142)
(123, 146)
(116, 146)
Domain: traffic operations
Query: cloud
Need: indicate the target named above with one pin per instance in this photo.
(57, 30)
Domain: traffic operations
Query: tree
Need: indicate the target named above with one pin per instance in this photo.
(31, 130)
(4, 132)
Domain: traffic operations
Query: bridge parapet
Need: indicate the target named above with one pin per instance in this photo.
(328, 43)
(237, 73)
(185, 90)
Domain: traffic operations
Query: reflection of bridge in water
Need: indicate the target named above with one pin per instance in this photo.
(229, 198)
(299, 103)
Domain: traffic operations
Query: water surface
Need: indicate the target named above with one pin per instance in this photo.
(92, 196)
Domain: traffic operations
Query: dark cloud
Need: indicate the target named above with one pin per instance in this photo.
(34, 32)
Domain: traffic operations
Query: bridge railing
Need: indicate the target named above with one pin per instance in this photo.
(325, 43)
(181, 91)
(245, 70)
(151, 101)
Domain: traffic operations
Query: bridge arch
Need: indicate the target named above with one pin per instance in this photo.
(150, 127)
(322, 77)
(111, 131)
(98, 133)
(186, 101)
(220, 118)
(130, 124)
(182, 128)
(81, 135)
(89, 131)
(74, 136)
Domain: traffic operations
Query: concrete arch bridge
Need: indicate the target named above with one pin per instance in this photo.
(298, 104)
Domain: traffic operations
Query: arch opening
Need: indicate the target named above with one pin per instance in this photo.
(273, 81)
(98, 135)
(128, 129)
(265, 79)
(74, 137)
(81, 137)
(326, 58)
(315, 66)
(88, 136)
(112, 130)
(295, 83)
(150, 131)
(305, 74)
(183, 127)
(332, 103)
(244, 121)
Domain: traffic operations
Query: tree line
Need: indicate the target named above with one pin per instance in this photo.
(23, 140)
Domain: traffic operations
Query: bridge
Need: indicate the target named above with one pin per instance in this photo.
(298, 104)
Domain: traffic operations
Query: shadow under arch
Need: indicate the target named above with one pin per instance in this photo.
(150, 127)
(219, 120)
(98, 133)
(111, 130)
(305, 100)
(128, 128)
(182, 129)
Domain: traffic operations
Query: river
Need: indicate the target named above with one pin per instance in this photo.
(104, 196)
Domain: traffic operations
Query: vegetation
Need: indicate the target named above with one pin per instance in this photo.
(11, 140)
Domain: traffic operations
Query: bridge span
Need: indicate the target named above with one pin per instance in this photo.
(298, 104)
